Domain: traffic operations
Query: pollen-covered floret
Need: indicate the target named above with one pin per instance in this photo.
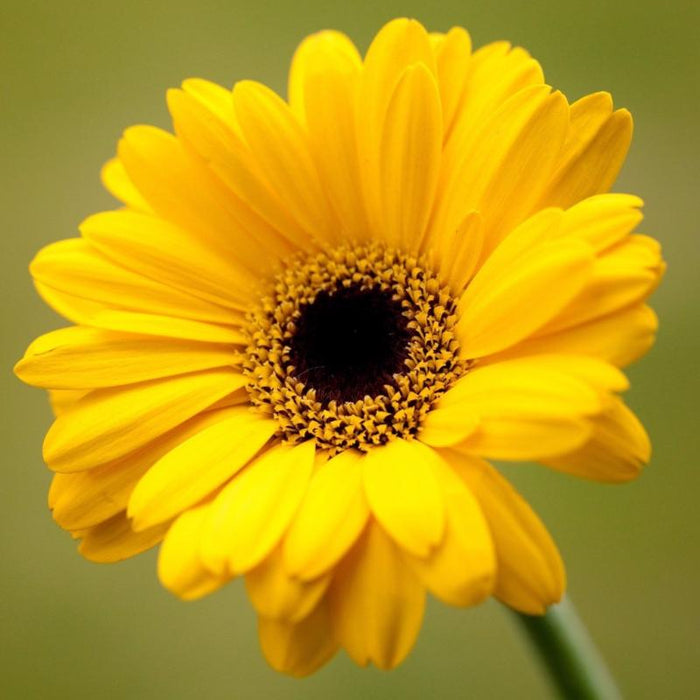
(429, 364)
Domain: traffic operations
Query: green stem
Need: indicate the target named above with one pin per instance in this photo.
(567, 651)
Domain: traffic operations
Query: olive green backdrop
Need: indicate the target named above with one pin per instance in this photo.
(74, 74)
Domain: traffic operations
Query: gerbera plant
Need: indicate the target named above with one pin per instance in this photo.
(313, 321)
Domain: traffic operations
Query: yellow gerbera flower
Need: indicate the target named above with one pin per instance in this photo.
(313, 320)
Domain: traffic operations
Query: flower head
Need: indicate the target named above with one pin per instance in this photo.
(313, 321)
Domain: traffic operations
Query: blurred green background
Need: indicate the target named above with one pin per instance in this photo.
(74, 75)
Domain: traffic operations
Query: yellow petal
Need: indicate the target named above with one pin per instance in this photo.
(86, 282)
(298, 649)
(616, 452)
(167, 327)
(109, 423)
(496, 72)
(528, 438)
(593, 153)
(530, 571)
(399, 44)
(376, 602)
(182, 190)
(180, 568)
(462, 411)
(114, 540)
(603, 220)
(445, 426)
(322, 89)
(553, 382)
(218, 101)
(280, 147)
(62, 399)
(624, 275)
(541, 229)
(88, 358)
(198, 466)
(457, 254)
(404, 495)
(410, 157)
(204, 118)
(251, 514)
(526, 408)
(619, 338)
(462, 570)
(118, 184)
(331, 516)
(166, 253)
(595, 373)
(503, 171)
(278, 596)
(452, 55)
(86, 498)
(512, 296)
(327, 51)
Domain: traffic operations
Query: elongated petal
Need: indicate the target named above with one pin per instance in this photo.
(282, 151)
(198, 466)
(166, 253)
(410, 156)
(251, 514)
(114, 540)
(593, 152)
(530, 571)
(462, 570)
(496, 72)
(93, 283)
(458, 254)
(446, 426)
(205, 120)
(556, 382)
(526, 408)
(110, 423)
(508, 302)
(183, 190)
(167, 327)
(452, 55)
(322, 90)
(118, 184)
(505, 201)
(502, 172)
(331, 516)
(616, 452)
(404, 495)
(88, 358)
(376, 602)
(624, 276)
(180, 568)
(298, 649)
(531, 437)
(400, 43)
(62, 399)
(619, 338)
(596, 374)
(327, 51)
(86, 498)
(603, 220)
(277, 595)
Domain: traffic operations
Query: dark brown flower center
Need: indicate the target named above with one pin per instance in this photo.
(349, 343)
